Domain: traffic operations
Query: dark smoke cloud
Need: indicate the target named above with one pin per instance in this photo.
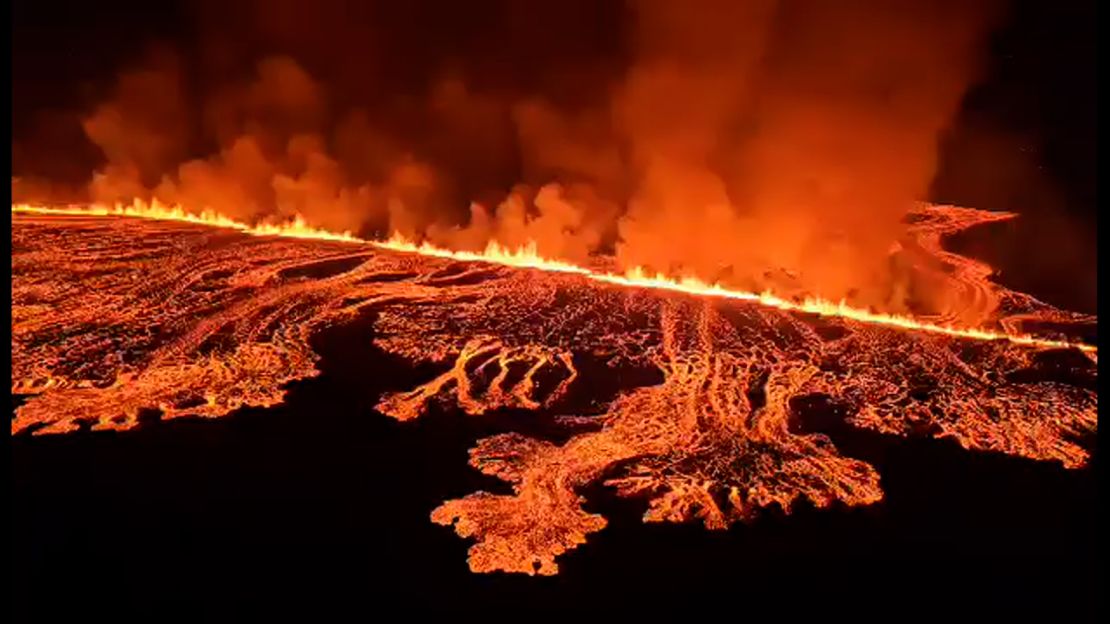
(767, 143)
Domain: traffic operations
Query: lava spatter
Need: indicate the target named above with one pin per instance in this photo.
(112, 316)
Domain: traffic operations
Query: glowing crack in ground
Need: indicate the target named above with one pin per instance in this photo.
(112, 316)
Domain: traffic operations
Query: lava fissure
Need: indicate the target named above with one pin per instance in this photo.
(725, 423)
(971, 273)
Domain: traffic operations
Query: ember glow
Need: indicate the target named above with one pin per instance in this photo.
(527, 257)
(296, 228)
(673, 260)
(721, 394)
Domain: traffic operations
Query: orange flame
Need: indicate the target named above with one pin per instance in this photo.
(527, 256)
(297, 228)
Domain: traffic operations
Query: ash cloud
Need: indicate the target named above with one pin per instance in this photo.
(765, 143)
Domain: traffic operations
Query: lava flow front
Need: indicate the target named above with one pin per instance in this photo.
(113, 316)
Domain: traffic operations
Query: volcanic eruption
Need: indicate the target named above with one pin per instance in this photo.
(115, 315)
(733, 232)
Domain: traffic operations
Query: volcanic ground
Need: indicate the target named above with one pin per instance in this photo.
(708, 410)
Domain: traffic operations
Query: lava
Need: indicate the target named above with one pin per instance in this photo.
(528, 257)
(115, 318)
(296, 228)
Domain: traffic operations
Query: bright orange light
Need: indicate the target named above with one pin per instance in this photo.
(115, 319)
(528, 257)
(296, 228)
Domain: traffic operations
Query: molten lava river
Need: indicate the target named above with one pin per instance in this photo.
(114, 316)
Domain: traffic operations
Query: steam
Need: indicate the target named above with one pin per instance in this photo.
(765, 143)
(795, 143)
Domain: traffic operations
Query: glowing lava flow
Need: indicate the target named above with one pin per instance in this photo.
(705, 412)
(528, 257)
(296, 228)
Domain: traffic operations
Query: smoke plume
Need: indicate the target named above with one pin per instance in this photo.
(768, 144)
